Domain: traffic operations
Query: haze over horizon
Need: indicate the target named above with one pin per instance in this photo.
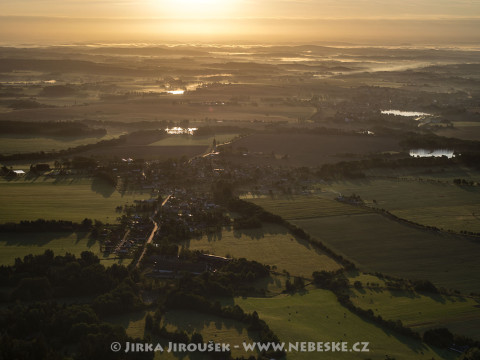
(360, 21)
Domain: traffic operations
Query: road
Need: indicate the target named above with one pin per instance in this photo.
(152, 234)
(119, 246)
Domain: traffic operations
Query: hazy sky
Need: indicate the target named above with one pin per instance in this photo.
(327, 20)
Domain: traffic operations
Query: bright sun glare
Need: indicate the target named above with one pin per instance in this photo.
(196, 9)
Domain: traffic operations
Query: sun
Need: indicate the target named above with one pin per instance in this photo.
(196, 9)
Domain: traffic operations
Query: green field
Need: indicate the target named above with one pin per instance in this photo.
(317, 316)
(271, 245)
(439, 204)
(70, 198)
(421, 312)
(304, 207)
(21, 244)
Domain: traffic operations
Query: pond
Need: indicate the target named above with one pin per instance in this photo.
(404, 113)
(432, 153)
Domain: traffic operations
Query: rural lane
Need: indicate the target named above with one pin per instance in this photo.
(152, 234)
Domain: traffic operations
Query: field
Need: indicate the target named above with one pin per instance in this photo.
(17, 145)
(441, 204)
(460, 315)
(70, 198)
(18, 245)
(376, 243)
(305, 207)
(21, 244)
(147, 152)
(209, 326)
(271, 245)
(172, 146)
(317, 316)
(312, 150)
(462, 130)
(178, 108)
(189, 140)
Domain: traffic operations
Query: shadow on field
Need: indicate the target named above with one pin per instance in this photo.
(415, 345)
(125, 319)
(193, 321)
(259, 233)
(404, 293)
(101, 187)
(30, 239)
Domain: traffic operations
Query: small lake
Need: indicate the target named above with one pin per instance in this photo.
(404, 113)
(432, 153)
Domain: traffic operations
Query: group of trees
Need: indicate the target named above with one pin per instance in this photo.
(230, 278)
(48, 276)
(297, 284)
(47, 330)
(42, 225)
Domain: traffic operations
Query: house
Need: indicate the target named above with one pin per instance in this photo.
(18, 173)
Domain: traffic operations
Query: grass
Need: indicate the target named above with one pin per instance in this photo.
(271, 245)
(304, 207)
(69, 198)
(317, 316)
(439, 204)
(15, 245)
(421, 312)
(377, 243)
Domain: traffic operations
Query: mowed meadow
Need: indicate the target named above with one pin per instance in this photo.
(377, 243)
(71, 198)
(271, 245)
(432, 200)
